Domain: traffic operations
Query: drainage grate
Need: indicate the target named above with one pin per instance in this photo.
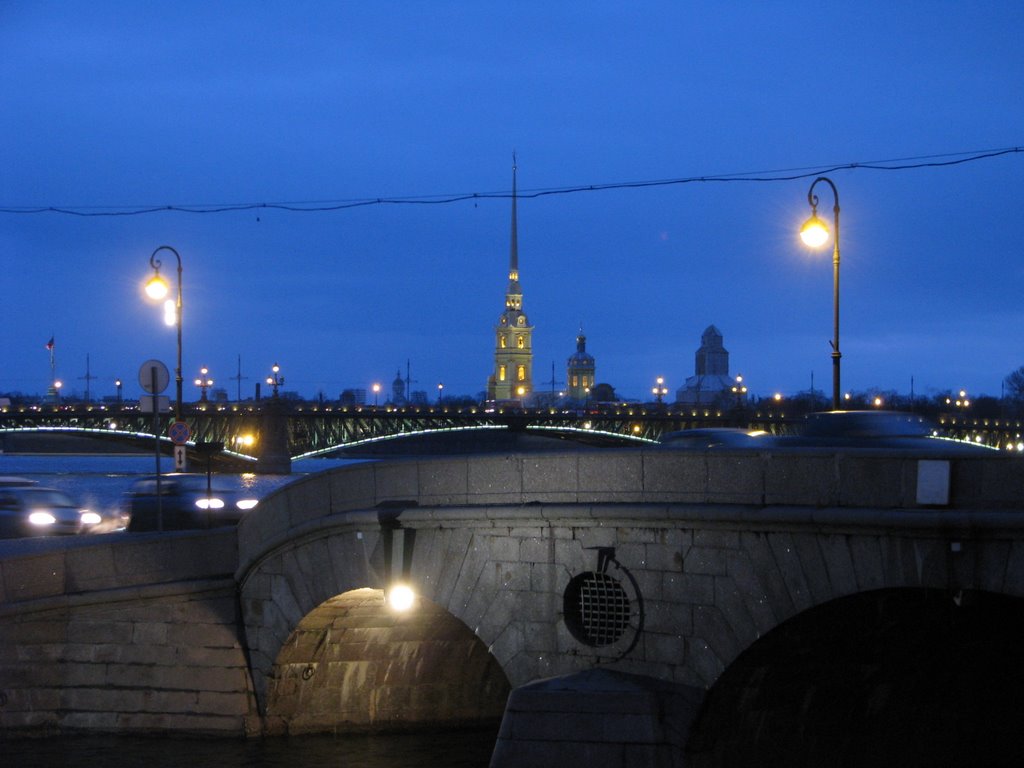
(596, 608)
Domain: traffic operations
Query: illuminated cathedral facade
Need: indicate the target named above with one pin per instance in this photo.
(512, 378)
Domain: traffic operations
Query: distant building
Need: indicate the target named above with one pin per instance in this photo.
(512, 378)
(398, 389)
(711, 381)
(579, 374)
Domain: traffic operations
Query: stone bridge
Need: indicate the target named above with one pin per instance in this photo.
(642, 607)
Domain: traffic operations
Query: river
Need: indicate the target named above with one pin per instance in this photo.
(99, 482)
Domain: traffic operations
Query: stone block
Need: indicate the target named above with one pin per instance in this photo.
(444, 482)
(351, 487)
(494, 477)
(763, 559)
(31, 577)
(706, 560)
(838, 558)
(663, 557)
(753, 592)
(538, 549)
(688, 588)
(791, 569)
(733, 606)
(610, 476)
(805, 480)
(308, 501)
(550, 478)
(876, 483)
(396, 480)
(667, 618)
(735, 479)
(867, 562)
(679, 476)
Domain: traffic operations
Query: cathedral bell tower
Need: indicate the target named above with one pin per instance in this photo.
(513, 352)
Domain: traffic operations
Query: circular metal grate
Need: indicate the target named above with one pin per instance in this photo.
(596, 608)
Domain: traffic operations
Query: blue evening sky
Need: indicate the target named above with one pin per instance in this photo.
(116, 106)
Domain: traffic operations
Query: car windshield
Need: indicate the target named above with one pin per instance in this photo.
(173, 485)
(44, 497)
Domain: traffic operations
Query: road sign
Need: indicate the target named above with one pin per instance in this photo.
(179, 458)
(179, 432)
(154, 377)
(154, 404)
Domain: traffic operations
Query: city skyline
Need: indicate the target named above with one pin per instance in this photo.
(292, 123)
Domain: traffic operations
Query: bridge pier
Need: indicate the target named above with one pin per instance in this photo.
(599, 717)
(273, 457)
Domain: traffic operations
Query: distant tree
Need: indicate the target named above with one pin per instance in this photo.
(603, 393)
(1015, 385)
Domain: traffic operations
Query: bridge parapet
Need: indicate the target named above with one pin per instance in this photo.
(57, 569)
(814, 479)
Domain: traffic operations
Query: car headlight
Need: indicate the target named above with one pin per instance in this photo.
(247, 503)
(90, 518)
(41, 518)
(210, 503)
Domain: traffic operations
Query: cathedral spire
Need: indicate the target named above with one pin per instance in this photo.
(513, 352)
(513, 257)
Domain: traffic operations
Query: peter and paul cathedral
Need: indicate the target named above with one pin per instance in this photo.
(513, 351)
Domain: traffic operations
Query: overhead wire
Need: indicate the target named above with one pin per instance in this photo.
(322, 206)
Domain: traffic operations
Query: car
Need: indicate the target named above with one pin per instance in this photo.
(33, 510)
(704, 438)
(884, 430)
(185, 501)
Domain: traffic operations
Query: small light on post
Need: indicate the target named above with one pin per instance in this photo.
(204, 382)
(659, 390)
(275, 380)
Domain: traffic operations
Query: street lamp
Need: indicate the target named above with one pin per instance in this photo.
(740, 390)
(119, 385)
(659, 390)
(275, 381)
(204, 382)
(157, 289)
(814, 233)
(440, 392)
(376, 392)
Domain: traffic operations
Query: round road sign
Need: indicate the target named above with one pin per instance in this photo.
(154, 377)
(179, 432)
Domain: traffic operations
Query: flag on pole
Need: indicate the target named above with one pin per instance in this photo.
(49, 344)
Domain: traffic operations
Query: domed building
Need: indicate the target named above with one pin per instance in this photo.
(579, 374)
(711, 378)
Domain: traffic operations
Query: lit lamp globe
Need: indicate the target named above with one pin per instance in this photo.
(156, 287)
(814, 232)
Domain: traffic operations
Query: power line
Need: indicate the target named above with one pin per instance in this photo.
(322, 206)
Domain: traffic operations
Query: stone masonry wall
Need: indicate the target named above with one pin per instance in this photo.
(138, 634)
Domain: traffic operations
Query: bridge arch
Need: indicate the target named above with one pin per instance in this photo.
(886, 677)
(354, 663)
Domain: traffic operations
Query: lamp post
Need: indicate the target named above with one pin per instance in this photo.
(659, 389)
(157, 288)
(814, 233)
(119, 385)
(740, 390)
(275, 381)
(440, 393)
(376, 394)
(204, 382)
